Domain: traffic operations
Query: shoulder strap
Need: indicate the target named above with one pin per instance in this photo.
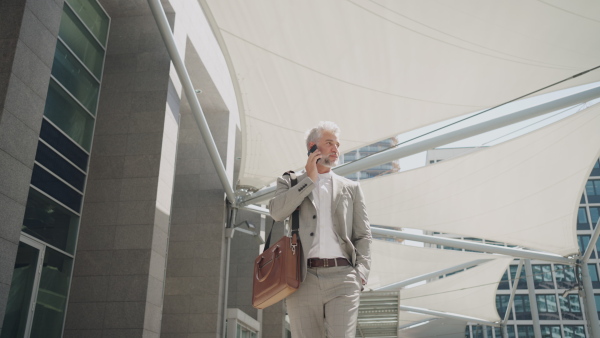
(295, 214)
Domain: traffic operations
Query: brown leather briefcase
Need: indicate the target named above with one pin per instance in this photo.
(277, 270)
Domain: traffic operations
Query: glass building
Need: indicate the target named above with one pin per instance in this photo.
(559, 306)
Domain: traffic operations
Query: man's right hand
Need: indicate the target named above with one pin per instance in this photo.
(311, 165)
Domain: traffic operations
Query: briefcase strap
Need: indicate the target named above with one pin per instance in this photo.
(295, 214)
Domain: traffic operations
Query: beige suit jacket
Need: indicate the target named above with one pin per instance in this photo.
(348, 211)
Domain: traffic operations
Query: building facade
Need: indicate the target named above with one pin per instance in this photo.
(558, 304)
(112, 216)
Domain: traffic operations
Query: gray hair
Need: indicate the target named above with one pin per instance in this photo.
(313, 135)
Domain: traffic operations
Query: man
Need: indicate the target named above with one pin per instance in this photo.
(335, 236)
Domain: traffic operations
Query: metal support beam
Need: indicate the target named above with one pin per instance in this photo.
(457, 243)
(513, 291)
(165, 30)
(592, 244)
(449, 315)
(535, 315)
(589, 301)
(399, 285)
(415, 148)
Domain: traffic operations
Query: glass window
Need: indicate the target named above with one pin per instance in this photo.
(81, 42)
(522, 308)
(59, 166)
(52, 295)
(582, 219)
(69, 116)
(547, 307)
(594, 214)
(574, 331)
(522, 283)
(54, 187)
(596, 169)
(50, 222)
(593, 272)
(597, 299)
(551, 331)
(592, 189)
(583, 241)
(19, 296)
(570, 307)
(502, 304)
(542, 276)
(504, 284)
(525, 331)
(75, 78)
(93, 16)
(63, 144)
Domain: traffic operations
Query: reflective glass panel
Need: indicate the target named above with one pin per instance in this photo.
(47, 220)
(93, 16)
(75, 78)
(595, 214)
(64, 145)
(19, 296)
(51, 185)
(52, 295)
(551, 331)
(596, 169)
(81, 42)
(582, 220)
(593, 272)
(583, 241)
(592, 189)
(69, 116)
(58, 165)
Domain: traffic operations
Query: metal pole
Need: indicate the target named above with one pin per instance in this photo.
(457, 243)
(165, 30)
(589, 302)
(535, 316)
(513, 292)
(504, 331)
(398, 285)
(228, 235)
(588, 289)
(592, 244)
(449, 315)
(411, 149)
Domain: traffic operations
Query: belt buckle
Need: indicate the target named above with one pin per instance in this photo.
(326, 263)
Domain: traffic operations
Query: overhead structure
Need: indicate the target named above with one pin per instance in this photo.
(522, 192)
(382, 67)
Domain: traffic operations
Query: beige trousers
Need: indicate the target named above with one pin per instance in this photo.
(326, 303)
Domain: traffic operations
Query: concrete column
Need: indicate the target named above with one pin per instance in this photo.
(119, 272)
(195, 285)
(27, 41)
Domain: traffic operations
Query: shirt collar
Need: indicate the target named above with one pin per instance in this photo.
(325, 176)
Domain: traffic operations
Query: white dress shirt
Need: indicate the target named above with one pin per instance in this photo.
(325, 243)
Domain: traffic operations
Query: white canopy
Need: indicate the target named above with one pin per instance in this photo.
(393, 262)
(468, 293)
(382, 67)
(523, 192)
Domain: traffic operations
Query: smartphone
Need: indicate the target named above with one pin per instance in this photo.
(312, 150)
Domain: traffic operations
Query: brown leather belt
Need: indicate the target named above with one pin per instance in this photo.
(326, 262)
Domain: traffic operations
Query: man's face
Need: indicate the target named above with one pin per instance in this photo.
(328, 144)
